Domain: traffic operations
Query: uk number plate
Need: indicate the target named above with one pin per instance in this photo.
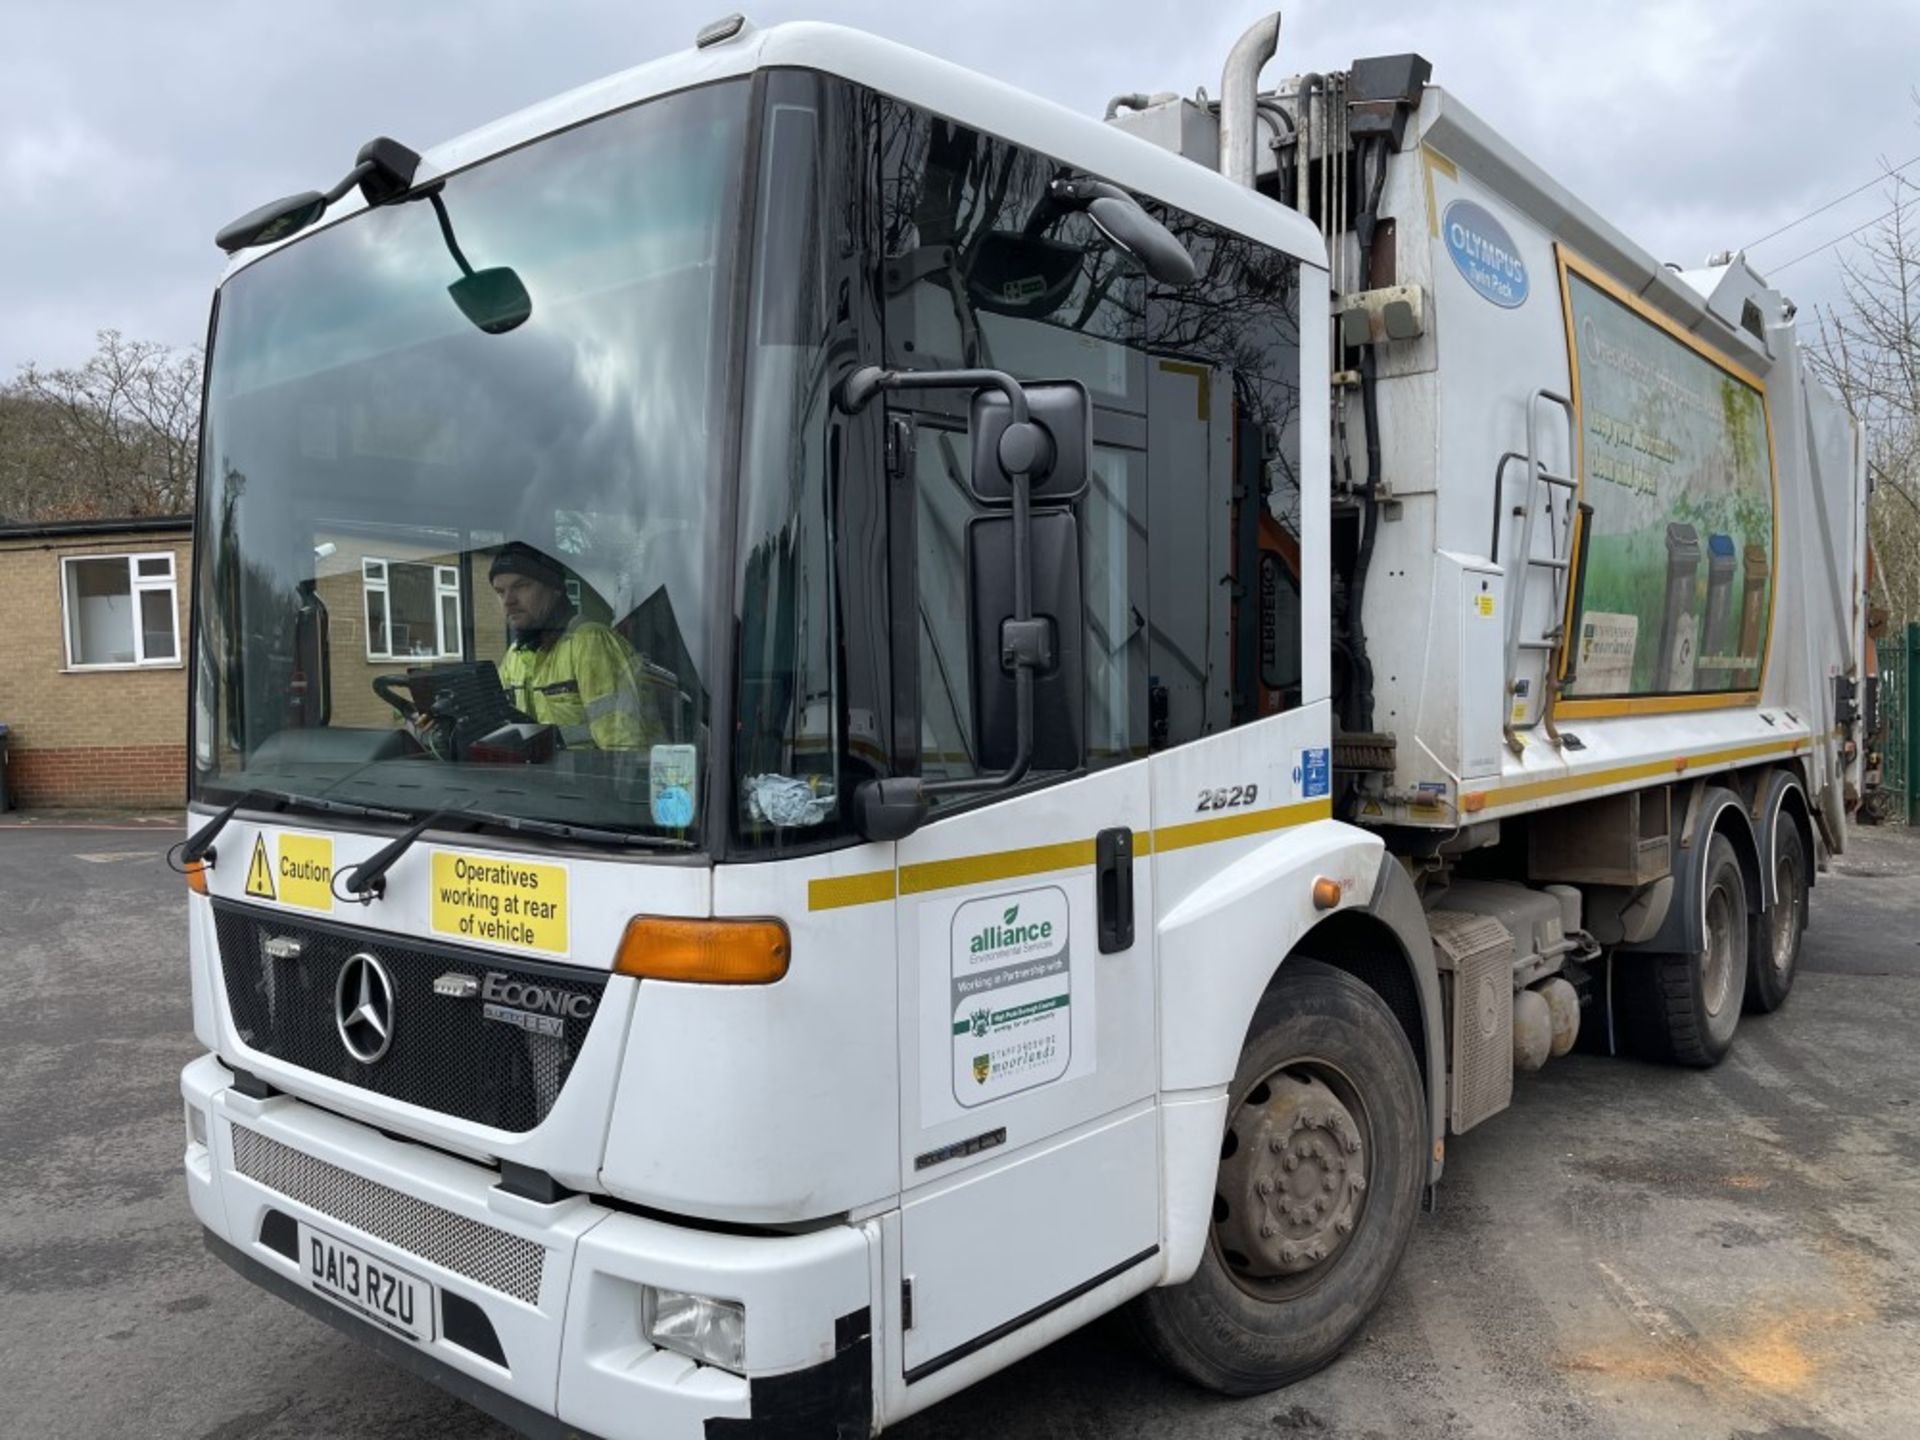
(368, 1286)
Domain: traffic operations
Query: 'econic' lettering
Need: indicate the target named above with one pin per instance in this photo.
(541, 999)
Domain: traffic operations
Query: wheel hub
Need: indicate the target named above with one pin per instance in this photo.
(1292, 1186)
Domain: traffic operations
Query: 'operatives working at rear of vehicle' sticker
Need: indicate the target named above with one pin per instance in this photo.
(500, 900)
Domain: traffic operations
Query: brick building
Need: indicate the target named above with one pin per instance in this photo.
(93, 645)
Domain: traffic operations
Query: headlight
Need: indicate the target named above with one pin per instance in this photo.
(714, 1332)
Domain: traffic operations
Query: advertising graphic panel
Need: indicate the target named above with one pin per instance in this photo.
(1674, 597)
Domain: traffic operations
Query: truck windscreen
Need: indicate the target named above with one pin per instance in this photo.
(450, 563)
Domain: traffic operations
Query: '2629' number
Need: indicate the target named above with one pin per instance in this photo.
(1228, 797)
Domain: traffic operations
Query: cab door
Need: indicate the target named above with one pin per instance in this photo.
(1028, 1134)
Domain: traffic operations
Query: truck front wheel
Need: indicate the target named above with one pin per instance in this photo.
(1319, 1183)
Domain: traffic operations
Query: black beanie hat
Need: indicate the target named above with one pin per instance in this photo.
(518, 558)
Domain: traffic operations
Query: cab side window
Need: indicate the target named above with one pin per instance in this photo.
(1195, 396)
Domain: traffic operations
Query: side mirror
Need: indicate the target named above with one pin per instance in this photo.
(273, 221)
(1058, 466)
(1018, 645)
(494, 300)
(383, 171)
(1130, 228)
(1044, 651)
(1027, 276)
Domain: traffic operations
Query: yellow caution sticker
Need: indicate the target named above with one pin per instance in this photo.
(305, 871)
(500, 901)
(300, 876)
(260, 871)
(1485, 604)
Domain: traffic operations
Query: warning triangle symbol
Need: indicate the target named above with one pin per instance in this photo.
(260, 871)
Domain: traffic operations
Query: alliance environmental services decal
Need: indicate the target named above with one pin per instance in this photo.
(1012, 994)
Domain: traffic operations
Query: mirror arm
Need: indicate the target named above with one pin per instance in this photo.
(1077, 193)
(859, 388)
(353, 178)
(446, 232)
(1067, 194)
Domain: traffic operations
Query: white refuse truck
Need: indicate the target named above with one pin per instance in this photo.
(841, 719)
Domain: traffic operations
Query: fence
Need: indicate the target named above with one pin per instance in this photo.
(1899, 656)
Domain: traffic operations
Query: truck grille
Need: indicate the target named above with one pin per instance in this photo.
(444, 1055)
(507, 1263)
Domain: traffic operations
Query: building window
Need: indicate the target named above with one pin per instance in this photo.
(413, 610)
(120, 610)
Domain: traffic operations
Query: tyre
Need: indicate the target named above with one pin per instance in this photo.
(1773, 950)
(1684, 1007)
(1320, 1175)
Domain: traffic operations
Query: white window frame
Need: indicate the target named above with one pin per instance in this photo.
(446, 585)
(137, 585)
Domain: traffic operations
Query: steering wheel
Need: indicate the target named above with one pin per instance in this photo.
(395, 691)
(444, 728)
(433, 732)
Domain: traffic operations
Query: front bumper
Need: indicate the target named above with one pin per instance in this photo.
(538, 1320)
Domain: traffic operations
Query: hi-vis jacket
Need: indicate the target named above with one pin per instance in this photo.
(584, 683)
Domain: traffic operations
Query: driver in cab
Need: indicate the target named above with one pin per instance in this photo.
(563, 670)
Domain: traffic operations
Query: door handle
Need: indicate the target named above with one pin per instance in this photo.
(1113, 886)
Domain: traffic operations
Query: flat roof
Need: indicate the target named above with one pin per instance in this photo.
(124, 525)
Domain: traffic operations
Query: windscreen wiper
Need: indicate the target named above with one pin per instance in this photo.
(566, 830)
(200, 846)
(342, 807)
(368, 880)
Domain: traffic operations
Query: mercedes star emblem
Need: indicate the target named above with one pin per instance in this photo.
(363, 1008)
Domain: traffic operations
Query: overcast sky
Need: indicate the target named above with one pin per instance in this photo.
(129, 132)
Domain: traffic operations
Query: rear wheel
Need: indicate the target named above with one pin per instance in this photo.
(1684, 1007)
(1773, 952)
(1320, 1174)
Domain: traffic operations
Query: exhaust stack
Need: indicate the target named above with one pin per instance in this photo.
(1239, 98)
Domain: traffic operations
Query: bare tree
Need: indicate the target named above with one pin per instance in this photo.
(117, 435)
(1869, 351)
